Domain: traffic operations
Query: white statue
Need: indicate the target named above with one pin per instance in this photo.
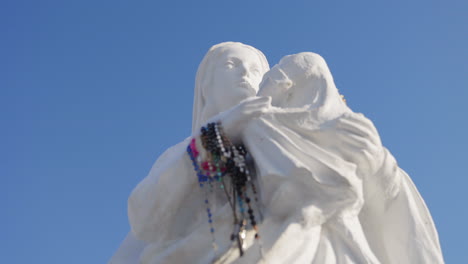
(331, 192)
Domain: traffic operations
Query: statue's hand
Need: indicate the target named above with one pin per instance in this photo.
(235, 119)
(360, 139)
(360, 129)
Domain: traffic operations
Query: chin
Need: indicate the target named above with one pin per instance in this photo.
(248, 91)
(243, 93)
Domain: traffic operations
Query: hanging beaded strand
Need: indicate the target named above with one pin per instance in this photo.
(248, 179)
(214, 157)
(202, 178)
(220, 149)
(226, 150)
(216, 147)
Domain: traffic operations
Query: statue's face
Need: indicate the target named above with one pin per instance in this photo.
(237, 74)
(296, 81)
(275, 84)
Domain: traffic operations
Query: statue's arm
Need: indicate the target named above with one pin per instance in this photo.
(298, 175)
(396, 220)
(153, 205)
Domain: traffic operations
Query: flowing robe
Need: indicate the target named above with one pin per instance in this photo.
(323, 203)
(361, 206)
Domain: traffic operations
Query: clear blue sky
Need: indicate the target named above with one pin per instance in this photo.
(92, 92)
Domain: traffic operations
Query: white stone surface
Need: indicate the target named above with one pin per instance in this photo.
(331, 192)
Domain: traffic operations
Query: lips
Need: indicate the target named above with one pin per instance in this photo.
(245, 84)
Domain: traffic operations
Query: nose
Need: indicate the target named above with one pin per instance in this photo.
(243, 70)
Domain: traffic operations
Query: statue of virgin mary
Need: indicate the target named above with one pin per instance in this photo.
(166, 212)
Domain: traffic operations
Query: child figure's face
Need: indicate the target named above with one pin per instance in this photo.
(296, 81)
(275, 84)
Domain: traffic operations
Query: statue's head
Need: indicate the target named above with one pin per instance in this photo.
(300, 80)
(229, 73)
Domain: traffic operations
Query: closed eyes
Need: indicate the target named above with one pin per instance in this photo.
(229, 65)
(255, 71)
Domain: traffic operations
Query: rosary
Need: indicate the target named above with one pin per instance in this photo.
(219, 163)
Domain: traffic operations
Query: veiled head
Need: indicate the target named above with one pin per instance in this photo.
(229, 73)
(302, 80)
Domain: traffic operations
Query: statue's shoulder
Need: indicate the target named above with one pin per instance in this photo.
(355, 115)
(359, 120)
(172, 153)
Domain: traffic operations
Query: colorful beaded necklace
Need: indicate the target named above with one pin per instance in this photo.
(218, 162)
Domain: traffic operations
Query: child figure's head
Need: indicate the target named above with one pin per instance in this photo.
(302, 80)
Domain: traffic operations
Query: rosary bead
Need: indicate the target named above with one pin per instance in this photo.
(215, 157)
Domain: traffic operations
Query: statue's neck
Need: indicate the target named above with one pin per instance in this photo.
(208, 112)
